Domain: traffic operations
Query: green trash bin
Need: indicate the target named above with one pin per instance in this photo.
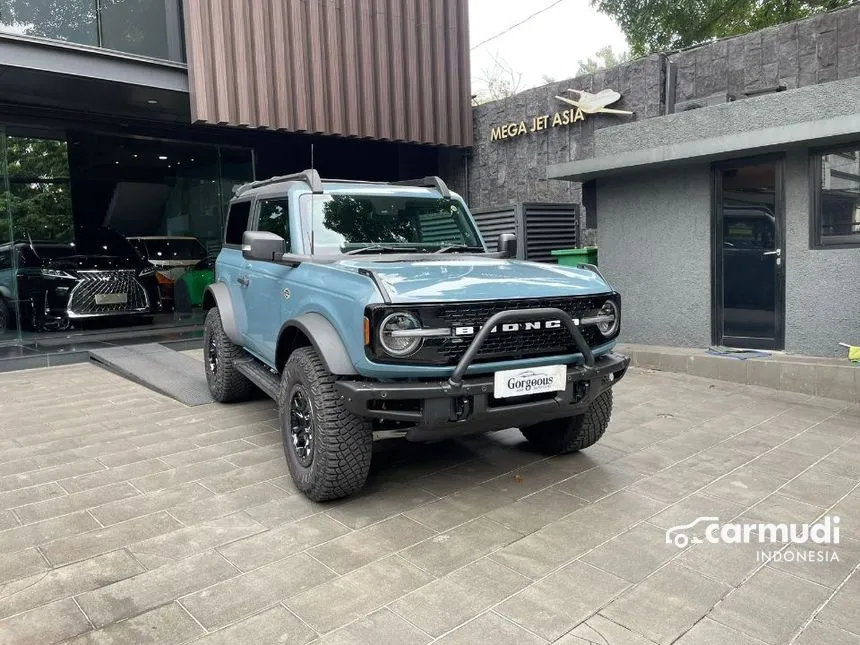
(572, 257)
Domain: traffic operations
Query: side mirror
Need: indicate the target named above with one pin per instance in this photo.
(262, 245)
(507, 245)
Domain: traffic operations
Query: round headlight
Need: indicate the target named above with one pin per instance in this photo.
(610, 318)
(391, 339)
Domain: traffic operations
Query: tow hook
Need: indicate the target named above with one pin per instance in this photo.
(462, 407)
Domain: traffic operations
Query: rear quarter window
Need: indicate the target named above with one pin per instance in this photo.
(237, 222)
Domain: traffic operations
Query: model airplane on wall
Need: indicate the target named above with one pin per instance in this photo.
(595, 103)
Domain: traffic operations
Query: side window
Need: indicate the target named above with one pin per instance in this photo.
(274, 218)
(237, 222)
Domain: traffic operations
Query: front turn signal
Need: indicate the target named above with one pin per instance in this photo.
(366, 330)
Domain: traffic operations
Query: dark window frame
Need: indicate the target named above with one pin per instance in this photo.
(816, 157)
(248, 221)
(174, 33)
(258, 208)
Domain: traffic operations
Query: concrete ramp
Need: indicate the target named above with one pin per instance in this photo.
(159, 368)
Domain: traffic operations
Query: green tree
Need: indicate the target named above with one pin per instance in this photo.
(661, 25)
(604, 58)
(38, 198)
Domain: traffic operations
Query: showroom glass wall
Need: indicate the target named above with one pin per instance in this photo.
(101, 231)
(150, 28)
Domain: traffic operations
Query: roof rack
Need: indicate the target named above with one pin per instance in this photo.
(426, 182)
(310, 177)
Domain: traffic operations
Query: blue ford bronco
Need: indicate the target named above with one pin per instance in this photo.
(376, 309)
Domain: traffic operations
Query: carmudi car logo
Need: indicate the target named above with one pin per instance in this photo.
(711, 531)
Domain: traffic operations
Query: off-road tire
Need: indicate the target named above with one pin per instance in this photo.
(5, 315)
(562, 436)
(226, 383)
(342, 441)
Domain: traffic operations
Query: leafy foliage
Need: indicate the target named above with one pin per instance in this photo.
(604, 58)
(38, 198)
(661, 25)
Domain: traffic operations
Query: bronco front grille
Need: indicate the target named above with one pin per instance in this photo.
(520, 344)
(83, 300)
(501, 345)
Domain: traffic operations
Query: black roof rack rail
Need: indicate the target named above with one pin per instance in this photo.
(426, 182)
(310, 177)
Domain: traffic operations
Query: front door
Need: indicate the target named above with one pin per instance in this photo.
(269, 300)
(749, 254)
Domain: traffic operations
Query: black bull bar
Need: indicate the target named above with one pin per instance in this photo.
(460, 404)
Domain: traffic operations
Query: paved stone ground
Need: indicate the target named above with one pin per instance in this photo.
(128, 518)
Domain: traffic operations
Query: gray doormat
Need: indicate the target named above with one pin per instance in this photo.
(159, 368)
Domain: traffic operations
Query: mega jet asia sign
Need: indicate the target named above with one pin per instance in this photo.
(586, 104)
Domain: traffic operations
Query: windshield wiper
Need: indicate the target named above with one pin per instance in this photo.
(382, 248)
(458, 248)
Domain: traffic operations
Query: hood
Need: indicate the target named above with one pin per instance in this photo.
(73, 263)
(475, 278)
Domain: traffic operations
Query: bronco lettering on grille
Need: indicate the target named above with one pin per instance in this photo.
(471, 330)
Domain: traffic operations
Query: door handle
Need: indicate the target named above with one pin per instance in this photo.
(777, 253)
(243, 280)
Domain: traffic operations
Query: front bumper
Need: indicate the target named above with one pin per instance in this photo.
(441, 409)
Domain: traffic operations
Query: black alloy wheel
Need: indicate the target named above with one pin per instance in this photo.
(302, 425)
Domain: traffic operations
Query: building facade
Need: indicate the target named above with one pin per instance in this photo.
(726, 205)
(128, 122)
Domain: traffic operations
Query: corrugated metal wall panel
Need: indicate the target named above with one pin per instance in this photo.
(383, 69)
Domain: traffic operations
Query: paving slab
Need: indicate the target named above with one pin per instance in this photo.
(126, 516)
(771, 606)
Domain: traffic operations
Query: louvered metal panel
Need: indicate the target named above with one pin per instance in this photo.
(549, 227)
(501, 219)
(383, 69)
(439, 229)
(540, 227)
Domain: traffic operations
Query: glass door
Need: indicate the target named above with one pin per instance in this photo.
(748, 267)
(9, 328)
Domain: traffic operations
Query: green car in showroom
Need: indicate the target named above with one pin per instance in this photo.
(190, 287)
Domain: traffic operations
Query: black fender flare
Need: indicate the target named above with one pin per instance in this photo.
(217, 295)
(326, 341)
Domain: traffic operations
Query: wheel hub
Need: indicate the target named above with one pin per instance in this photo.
(302, 426)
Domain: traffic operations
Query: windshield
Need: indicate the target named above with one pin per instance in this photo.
(174, 249)
(103, 241)
(348, 223)
(54, 251)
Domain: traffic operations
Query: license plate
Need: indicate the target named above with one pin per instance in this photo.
(529, 380)
(111, 298)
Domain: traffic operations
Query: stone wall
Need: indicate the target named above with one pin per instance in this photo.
(513, 170)
(817, 50)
